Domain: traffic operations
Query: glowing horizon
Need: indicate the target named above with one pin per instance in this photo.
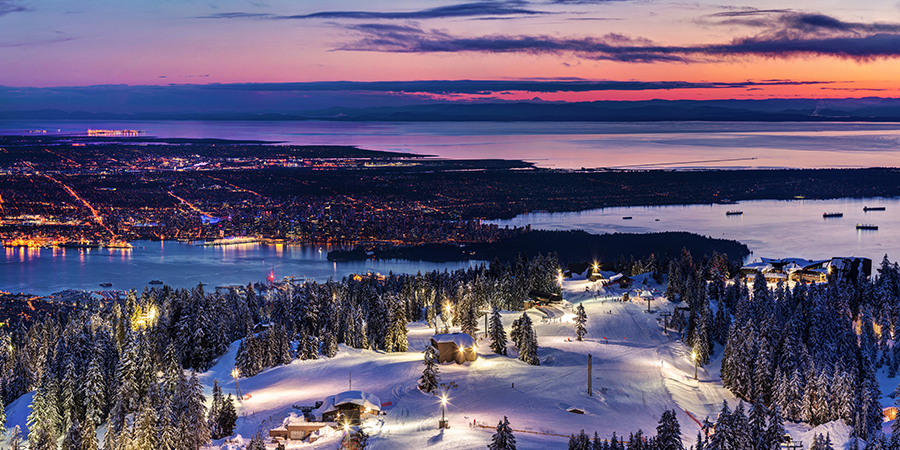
(818, 49)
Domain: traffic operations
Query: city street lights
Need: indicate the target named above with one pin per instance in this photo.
(694, 357)
(237, 387)
(443, 423)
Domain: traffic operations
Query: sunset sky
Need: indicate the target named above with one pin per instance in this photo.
(53, 51)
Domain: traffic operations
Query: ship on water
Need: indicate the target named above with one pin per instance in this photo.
(832, 214)
(866, 226)
(873, 208)
(734, 212)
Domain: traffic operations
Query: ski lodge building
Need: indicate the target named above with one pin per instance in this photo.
(456, 347)
(806, 270)
(296, 428)
(350, 406)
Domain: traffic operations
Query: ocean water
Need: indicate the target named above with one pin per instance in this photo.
(770, 228)
(42, 271)
(566, 145)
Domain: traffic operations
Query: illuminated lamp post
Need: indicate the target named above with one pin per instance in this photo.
(235, 373)
(694, 357)
(443, 423)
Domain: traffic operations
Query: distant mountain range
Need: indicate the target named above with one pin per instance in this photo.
(778, 110)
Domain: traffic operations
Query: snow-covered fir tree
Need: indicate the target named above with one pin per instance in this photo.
(668, 432)
(580, 321)
(497, 333)
(74, 437)
(528, 343)
(503, 439)
(39, 438)
(257, 442)
(428, 382)
(581, 441)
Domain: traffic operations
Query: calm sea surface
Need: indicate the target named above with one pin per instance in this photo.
(180, 264)
(560, 145)
(769, 228)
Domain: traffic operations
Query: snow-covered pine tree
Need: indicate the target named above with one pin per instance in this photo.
(756, 424)
(2, 418)
(580, 321)
(15, 438)
(775, 430)
(330, 346)
(792, 397)
(724, 435)
(95, 391)
(740, 428)
(311, 348)
(193, 430)
(70, 404)
(88, 436)
(167, 431)
(498, 334)
(597, 443)
(636, 441)
(39, 438)
(428, 382)
(528, 352)
(579, 442)
(503, 439)
(615, 443)
(398, 329)
(215, 409)
(73, 439)
(227, 417)
(144, 434)
(468, 314)
(515, 334)
(668, 432)
(256, 443)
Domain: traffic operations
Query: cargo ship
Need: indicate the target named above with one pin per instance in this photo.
(873, 208)
(832, 214)
(734, 212)
(866, 226)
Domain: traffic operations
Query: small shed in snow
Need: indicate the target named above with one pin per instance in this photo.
(458, 347)
(352, 406)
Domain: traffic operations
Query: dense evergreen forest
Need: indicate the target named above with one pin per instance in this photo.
(808, 353)
(124, 363)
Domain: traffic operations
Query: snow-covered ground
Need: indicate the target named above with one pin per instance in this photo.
(638, 372)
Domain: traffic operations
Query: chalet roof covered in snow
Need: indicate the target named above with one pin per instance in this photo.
(363, 399)
(460, 339)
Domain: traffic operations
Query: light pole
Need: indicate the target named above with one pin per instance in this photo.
(235, 373)
(443, 422)
(694, 357)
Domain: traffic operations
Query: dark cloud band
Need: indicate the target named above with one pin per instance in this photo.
(797, 35)
(475, 9)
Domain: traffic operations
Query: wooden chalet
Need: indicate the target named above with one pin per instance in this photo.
(348, 406)
(541, 298)
(296, 429)
(456, 347)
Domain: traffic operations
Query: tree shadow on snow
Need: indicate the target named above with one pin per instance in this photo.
(436, 438)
